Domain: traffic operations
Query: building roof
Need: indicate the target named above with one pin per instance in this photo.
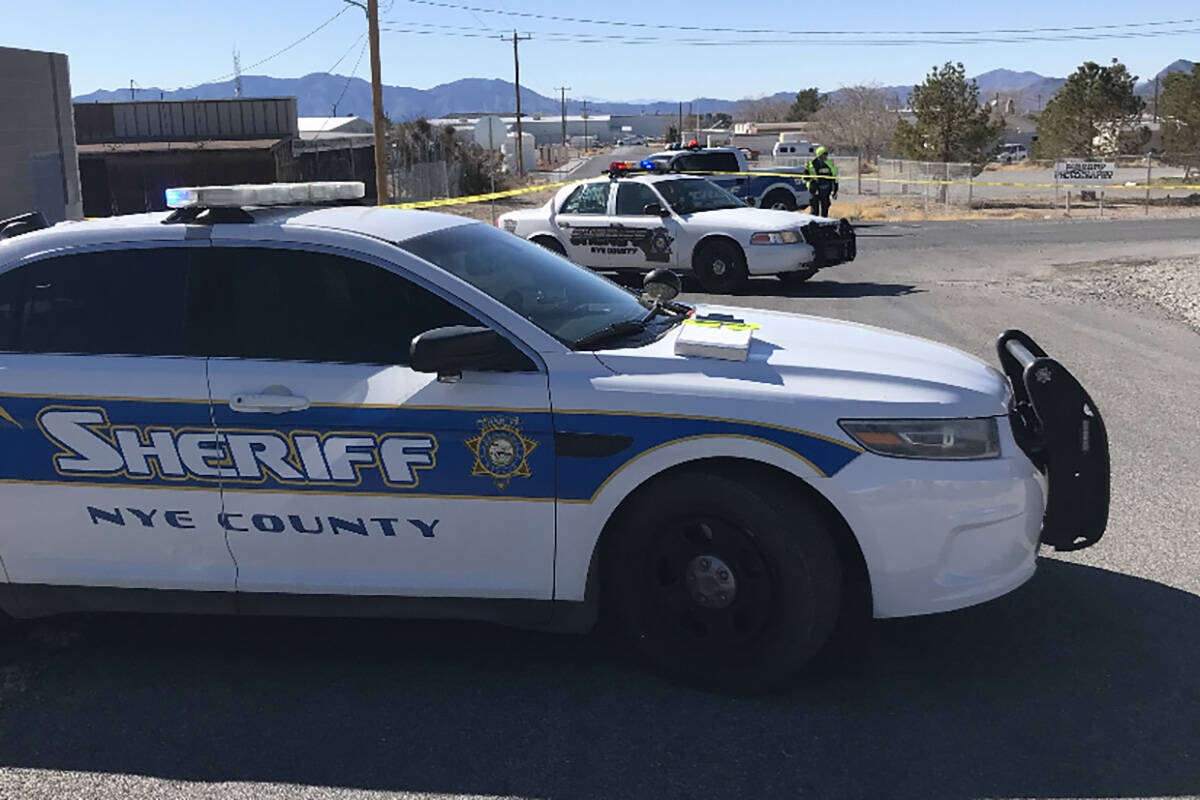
(117, 148)
(347, 124)
(525, 119)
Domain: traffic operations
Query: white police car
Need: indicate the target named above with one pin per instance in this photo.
(639, 220)
(362, 411)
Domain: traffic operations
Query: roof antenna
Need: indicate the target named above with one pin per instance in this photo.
(237, 72)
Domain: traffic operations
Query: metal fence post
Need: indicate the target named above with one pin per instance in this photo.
(1147, 184)
(970, 186)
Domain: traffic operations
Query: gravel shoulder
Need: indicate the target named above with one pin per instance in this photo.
(1171, 284)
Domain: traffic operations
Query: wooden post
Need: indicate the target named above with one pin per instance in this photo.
(381, 177)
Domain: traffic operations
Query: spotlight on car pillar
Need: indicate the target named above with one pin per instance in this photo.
(661, 285)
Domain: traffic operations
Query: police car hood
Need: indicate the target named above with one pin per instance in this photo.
(856, 370)
(760, 220)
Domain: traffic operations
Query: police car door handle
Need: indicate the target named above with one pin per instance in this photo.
(267, 403)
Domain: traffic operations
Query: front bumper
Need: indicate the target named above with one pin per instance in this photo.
(1059, 428)
(832, 244)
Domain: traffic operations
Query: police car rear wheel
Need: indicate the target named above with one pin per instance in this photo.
(720, 267)
(723, 584)
(552, 245)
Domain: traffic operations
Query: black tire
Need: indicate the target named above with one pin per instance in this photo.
(798, 277)
(723, 583)
(779, 199)
(720, 267)
(553, 245)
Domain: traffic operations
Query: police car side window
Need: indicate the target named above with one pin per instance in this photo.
(707, 162)
(632, 199)
(10, 309)
(590, 198)
(119, 302)
(295, 305)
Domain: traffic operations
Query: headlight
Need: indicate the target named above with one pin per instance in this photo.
(776, 237)
(927, 438)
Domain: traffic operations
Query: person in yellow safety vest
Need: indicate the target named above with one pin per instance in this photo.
(821, 176)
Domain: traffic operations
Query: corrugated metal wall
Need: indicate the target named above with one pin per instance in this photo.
(186, 120)
(38, 165)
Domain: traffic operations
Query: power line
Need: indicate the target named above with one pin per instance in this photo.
(705, 29)
(349, 50)
(350, 77)
(283, 50)
(433, 29)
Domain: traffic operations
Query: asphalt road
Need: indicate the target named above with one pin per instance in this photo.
(1083, 683)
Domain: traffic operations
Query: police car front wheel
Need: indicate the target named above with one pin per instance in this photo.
(720, 267)
(723, 583)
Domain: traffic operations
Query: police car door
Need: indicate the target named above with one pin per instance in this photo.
(583, 224)
(350, 473)
(650, 238)
(105, 433)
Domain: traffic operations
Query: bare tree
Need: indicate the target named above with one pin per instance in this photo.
(856, 119)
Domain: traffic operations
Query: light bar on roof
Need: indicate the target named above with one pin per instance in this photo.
(264, 194)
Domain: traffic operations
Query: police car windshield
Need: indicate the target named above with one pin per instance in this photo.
(692, 196)
(568, 302)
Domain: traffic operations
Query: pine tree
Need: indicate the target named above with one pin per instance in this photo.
(1094, 113)
(807, 103)
(1179, 107)
(951, 125)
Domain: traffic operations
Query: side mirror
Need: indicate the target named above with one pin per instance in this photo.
(449, 351)
(655, 210)
(661, 285)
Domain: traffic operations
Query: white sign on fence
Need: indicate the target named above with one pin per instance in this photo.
(1084, 171)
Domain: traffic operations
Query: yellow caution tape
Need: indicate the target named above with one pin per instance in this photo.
(479, 198)
(936, 182)
(541, 187)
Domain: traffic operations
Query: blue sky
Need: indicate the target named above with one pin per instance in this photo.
(172, 44)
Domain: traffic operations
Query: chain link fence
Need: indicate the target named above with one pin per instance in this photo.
(424, 164)
(948, 183)
(1145, 180)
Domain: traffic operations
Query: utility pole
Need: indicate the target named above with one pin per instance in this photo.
(681, 120)
(586, 143)
(517, 80)
(563, 116)
(131, 88)
(1156, 99)
(382, 195)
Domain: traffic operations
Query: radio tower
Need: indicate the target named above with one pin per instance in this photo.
(237, 73)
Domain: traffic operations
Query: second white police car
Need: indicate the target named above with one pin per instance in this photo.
(637, 219)
(360, 411)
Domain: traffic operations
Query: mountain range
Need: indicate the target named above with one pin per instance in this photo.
(321, 94)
